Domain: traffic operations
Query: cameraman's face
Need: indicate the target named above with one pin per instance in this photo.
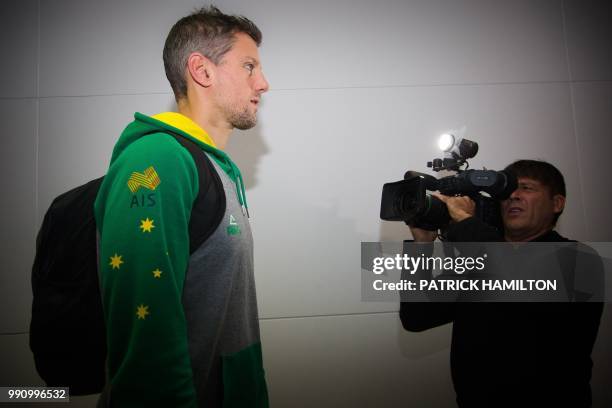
(530, 210)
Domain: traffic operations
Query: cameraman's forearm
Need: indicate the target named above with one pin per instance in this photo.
(423, 235)
(415, 315)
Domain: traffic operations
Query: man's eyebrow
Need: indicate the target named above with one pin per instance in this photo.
(252, 60)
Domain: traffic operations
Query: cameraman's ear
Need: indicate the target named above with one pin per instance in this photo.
(558, 203)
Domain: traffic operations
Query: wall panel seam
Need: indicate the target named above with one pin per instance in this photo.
(332, 88)
(330, 315)
(586, 224)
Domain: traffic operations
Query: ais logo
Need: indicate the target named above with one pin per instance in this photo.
(143, 200)
(148, 179)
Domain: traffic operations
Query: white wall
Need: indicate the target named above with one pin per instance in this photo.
(359, 92)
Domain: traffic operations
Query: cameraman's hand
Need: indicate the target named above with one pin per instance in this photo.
(459, 208)
(423, 235)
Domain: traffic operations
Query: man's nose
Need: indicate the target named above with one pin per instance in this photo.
(262, 84)
(515, 195)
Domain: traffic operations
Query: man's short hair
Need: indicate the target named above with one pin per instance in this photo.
(207, 31)
(541, 171)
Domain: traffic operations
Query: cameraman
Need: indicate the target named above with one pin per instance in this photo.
(514, 354)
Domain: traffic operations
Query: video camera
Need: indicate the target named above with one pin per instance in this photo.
(407, 200)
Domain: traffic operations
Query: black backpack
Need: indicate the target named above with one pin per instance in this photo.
(67, 332)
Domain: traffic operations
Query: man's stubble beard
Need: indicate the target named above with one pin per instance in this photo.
(240, 119)
(243, 120)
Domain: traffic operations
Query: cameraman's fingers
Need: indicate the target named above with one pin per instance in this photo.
(441, 197)
(460, 208)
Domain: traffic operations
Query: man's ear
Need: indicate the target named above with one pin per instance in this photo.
(200, 69)
(558, 203)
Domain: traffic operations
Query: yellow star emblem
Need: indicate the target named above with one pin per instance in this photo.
(142, 312)
(157, 273)
(115, 261)
(146, 225)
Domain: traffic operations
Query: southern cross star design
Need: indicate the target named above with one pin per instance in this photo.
(116, 261)
(142, 312)
(146, 225)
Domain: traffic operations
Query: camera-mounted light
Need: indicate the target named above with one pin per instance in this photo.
(457, 147)
(457, 150)
(446, 142)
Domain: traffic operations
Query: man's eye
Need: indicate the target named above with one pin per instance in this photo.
(250, 67)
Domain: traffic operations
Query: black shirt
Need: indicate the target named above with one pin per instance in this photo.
(514, 354)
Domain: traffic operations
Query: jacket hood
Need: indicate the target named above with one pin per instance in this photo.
(175, 122)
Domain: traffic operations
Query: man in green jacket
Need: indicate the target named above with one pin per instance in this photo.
(182, 326)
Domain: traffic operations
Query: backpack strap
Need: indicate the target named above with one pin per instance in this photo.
(209, 207)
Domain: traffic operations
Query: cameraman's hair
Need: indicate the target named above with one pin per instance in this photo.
(207, 31)
(544, 172)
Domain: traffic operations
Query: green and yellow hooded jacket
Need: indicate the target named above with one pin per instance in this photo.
(182, 328)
